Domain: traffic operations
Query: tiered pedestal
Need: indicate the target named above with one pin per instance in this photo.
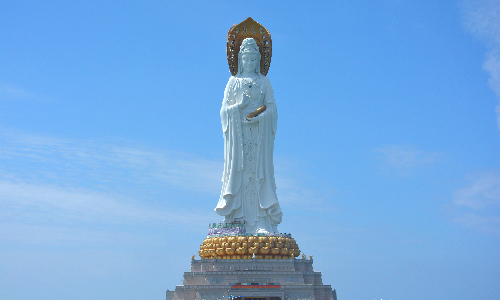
(252, 279)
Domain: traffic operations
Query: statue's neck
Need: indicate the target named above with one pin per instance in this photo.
(247, 75)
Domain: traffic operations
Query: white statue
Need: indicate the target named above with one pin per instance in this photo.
(248, 189)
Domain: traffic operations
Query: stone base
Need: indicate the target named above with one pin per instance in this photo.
(245, 279)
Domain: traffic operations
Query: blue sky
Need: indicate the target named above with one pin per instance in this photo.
(387, 154)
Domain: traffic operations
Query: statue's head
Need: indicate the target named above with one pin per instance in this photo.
(249, 56)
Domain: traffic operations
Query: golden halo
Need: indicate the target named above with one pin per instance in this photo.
(249, 29)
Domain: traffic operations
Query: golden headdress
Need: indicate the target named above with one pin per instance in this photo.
(249, 29)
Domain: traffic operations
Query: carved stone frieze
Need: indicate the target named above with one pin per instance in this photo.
(298, 296)
(211, 296)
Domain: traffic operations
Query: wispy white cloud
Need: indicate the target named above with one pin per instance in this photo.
(405, 159)
(22, 201)
(477, 205)
(490, 224)
(107, 161)
(8, 92)
(482, 18)
(295, 190)
(52, 215)
(58, 186)
(483, 191)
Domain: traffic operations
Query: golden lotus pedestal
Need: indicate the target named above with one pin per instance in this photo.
(246, 247)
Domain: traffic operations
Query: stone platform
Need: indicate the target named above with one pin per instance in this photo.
(252, 279)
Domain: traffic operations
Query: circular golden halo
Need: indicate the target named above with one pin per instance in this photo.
(249, 29)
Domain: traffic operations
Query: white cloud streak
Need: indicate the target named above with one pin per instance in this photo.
(298, 192)
(483, 191)
(55, 187)
(107, 162)
(405, 159)
(70, 205)
(8, 92)
(477, 205)
(52, 215)
(482, 18)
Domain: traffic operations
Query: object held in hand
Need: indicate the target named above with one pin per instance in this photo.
(257, 112)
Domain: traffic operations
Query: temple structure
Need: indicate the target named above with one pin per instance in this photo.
(245, 257)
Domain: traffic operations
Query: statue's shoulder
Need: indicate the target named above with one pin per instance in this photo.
(264, 79)
(231, 82)
(266, 82)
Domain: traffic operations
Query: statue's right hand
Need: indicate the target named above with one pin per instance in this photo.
(245, 100)
(234, 106)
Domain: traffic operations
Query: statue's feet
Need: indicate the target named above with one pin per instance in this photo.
(261, 230)
(263, 226)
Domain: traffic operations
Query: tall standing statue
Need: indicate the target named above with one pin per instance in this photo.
(249, 119)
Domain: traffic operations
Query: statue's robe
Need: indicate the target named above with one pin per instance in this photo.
(232, 203)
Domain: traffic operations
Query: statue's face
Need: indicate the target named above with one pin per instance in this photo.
(249, 62)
